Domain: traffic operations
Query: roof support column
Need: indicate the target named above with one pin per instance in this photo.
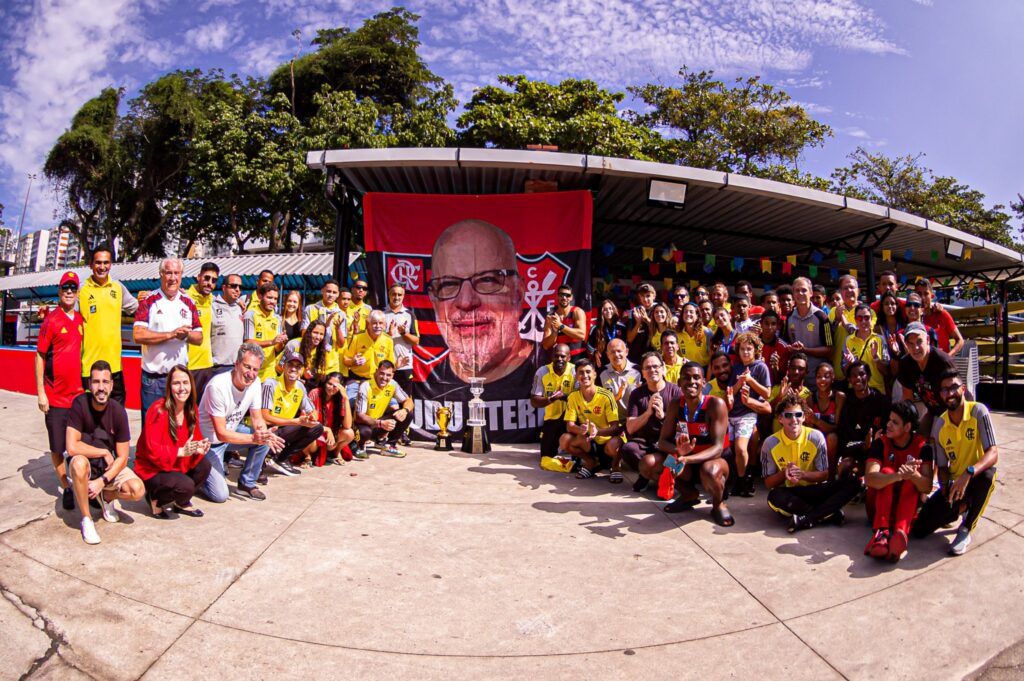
(337, 194)
(869, 271)
(1003, 298)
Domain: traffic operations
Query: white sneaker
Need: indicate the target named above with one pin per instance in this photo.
(961, 541)
(110, 509)
(89, 534)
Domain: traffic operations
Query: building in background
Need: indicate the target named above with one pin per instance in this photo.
(62, 250)
(32, 251)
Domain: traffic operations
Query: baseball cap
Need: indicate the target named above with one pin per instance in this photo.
(70, 276)
(294, 356)
(915, 327)
(645, 288)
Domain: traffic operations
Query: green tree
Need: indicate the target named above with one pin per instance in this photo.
(751, 128)
(903, 183)
(575, 115)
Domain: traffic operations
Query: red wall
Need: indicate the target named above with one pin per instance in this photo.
(17, 373)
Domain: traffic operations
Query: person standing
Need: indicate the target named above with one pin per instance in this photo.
(807, 329)
(166, 323)
(101, 302)
(637, 322)
(200, 357)
(263, 328)
(565, 324)
(358, 309)
(366, 351)
(934, 316)
(335, 321)
(228, 326)
(291, 315)
(59, 374)
(265, 277)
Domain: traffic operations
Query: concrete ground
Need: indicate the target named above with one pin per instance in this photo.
(447, 566)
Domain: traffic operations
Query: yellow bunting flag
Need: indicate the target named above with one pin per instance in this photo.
(791, 259)
(853, 273)
(967, 254)
(668, 283)
(886, 255)
(766, 266)
(648, 252)
(694, 284)
(681, 266)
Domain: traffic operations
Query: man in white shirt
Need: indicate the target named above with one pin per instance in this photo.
(228, 398)
(166, 323)
(227, 327)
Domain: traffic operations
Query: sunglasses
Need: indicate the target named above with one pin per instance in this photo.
(913, 304)
(359, 288)
(209, 278)
(232, 286)
(680, 295)
(564, 294)
(69, 287)
(792, 414)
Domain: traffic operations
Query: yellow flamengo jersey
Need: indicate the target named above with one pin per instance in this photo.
(373, 400)
(375, 351)
(840, 335)
(672, 371)
(283, 403)
(696, 349)
(862, 350)
(263, 327)
(101, 307)
(364, 314)
(804, 393)
(963, 445)
(712, 388)
(601, 410)
(808, 451)
(201, 356)
(546, 382)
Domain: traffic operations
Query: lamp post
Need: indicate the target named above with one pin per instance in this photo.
(21, 220)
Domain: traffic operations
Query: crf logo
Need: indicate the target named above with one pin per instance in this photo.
(406, 271)
(541, 278)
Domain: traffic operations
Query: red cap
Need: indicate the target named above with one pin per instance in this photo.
(70, 276)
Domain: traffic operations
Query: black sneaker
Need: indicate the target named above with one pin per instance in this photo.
(68, 499)
(838, 518)
(797, 523)
(251, 492)
(280, 467)
(641, 483)
(405, 441)
(288, 466)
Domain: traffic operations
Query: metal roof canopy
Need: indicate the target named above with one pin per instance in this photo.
(725, 214)
(292, 270)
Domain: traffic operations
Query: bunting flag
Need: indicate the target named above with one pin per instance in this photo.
(841, 257)
(654, 269)
(708, 268)
(886, 255)
(680, 266)
(710, 259)
(908, 254)
(935, 256)
(637, 279)
(737, 264)
(817, 257)
(666, 254)
(693, 285)
(791, 259)
(766, 266)
(678, 255)
(607, 249)
(945, 283)
(968, 253)
(853, 272)
(667, 281)
(787, 267)
(833, 273)
(812, 270)
(648, 252)
(970, 285)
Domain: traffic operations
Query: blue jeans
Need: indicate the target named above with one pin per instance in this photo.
(216, 486)
(152, 390)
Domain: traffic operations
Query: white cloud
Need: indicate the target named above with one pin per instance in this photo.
(260, 57)
(214, 36)
(812, 107)
(856, 133)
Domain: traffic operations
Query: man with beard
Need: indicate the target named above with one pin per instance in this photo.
(695, 434)
(200, 357)
(565, 324)
(644, 416)
(551, 387)
(593, 425)
(98, 439)
(637, 320)
(966, 455)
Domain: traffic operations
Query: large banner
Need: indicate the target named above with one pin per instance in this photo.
(479, 274)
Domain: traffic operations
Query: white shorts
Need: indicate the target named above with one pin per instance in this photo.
(742, 426)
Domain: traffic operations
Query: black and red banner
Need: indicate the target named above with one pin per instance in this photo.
(496, 262)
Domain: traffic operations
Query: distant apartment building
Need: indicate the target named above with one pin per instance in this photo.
(32, 251)
(62, 250)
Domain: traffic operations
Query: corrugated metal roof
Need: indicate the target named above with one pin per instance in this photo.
(293, 269)
(736, 215)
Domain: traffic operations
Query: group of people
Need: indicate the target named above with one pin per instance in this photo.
(226, 382)
(826, 399)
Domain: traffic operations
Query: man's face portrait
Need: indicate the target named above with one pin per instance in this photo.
(477, 296)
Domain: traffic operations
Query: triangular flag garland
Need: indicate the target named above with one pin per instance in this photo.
(607, 249)
(833, 273)
(637, 279)
(886, 255)
(816, 258)
(812, 270)
(666, 254)
(853, 273)
(680, 266)
(841, 257)
(787, 267)
(737, 264)
(935, 256)
(648, 252)
(693, 285)
(667, 281)
(678, 255)
(968, 253)
(766, 266)
(908, 254)
(654, 269)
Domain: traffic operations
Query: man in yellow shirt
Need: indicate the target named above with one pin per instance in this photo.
(966, 455)
(670, 356)
(358, 311)
(551, 387)
(200, 357)
(263, 327)
(593, 424)
(366, 351)
(794, 463)
(844, 324)
(265, 277)
(383, 412)
(102, 302)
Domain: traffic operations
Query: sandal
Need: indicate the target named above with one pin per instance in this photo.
(338, 461)
(190, 511)
(583, 473)
(615, 477)
(722, 517)
(680, 505)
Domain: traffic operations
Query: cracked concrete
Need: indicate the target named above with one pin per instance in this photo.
(443, 566)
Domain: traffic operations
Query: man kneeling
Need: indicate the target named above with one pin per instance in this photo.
(379, 422)
(593, 425)
(702, 424)
(98, 439)
(286, 406)
(794, 462)
(899, 471)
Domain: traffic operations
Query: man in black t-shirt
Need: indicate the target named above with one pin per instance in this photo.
(644, 416)
(98, 438)
(920, 373)
(861, 421)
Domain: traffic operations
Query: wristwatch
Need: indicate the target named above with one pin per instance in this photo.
(104, 479)
(970, 471)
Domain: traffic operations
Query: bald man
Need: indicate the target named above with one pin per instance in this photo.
(477, 296)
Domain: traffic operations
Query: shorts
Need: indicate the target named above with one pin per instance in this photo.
(742, 426)
(57, 428)
(126, 475)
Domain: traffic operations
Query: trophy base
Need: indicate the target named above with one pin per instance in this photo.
(475, 440)
(443, 443)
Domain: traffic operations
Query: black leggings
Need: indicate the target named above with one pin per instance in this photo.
(550, 432)
(937, 512)
(296, 438)
(173, 486)
(817, 501)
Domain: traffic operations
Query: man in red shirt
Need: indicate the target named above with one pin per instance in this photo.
(58, 373)
(936, 317)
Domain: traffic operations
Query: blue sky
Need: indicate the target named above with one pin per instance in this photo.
(940, 77)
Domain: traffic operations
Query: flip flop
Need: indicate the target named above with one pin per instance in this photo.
(615, 477)
(583, 473)
(680, 505)
(722, 517)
